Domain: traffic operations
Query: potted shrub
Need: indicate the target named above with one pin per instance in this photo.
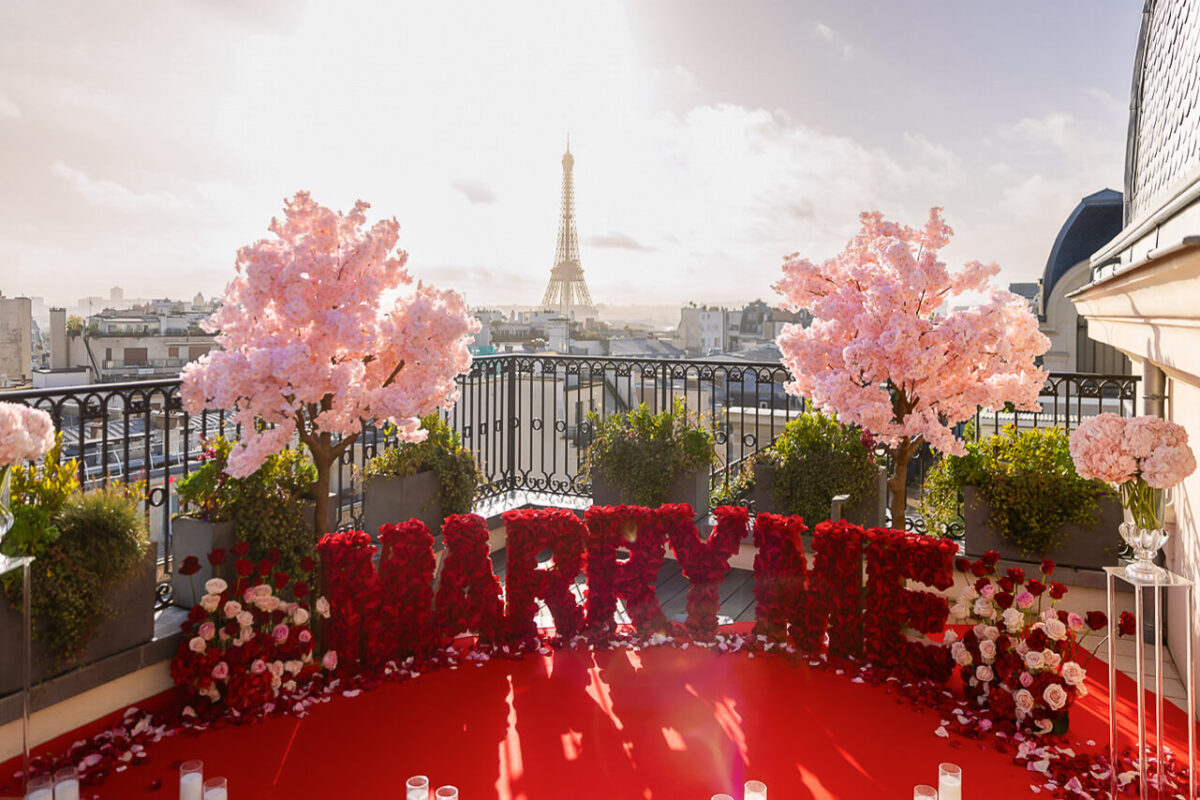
(649, 459)
(271, 509)
(815, 459)
(1022, 497)
(426, 480)
(94, 572)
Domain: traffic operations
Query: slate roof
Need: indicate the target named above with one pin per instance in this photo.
(1093, 224)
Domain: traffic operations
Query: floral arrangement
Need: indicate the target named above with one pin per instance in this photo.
(528, 532)
(609, 529)
(25, 434)
(406, 579)
(468, 595)
(244, 647)
(1137, 454)
(1021, 655)
(780, 560)
(834, 597)
(352, 585)
(704, 562)
(885, 352)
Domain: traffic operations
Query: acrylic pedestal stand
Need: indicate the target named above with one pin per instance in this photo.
(11, 565)
(1164, 582)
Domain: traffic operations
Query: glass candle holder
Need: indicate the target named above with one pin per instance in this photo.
(446, 793)
(417, 788)
(924, 792)
(949, 781)
(40, 788)
(191, 780)
(755, 790)
(66, 784)
(216, 789)
(722, 796)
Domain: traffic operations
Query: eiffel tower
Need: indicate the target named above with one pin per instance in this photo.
(567, 290)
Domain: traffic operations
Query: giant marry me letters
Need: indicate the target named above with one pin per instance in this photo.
(390, 613)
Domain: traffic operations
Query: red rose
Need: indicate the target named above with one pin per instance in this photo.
(1016, 575)
(300, 589)
(307, 564)
(1036, 587)
(1057, 590)
(989, 559)
(190, 566)
(1005, 584)
(217, 557)
(273, 555)
(962, 564)
(240, 549)
(1047, 567)
(244, 567)
(281, 580)
(1096, 620)
(978, 569)
(982, 582)
(264, 567)
(1004, 599)
(196, 616)
(1128, 624)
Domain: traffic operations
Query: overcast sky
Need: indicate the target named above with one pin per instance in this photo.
(144, 142)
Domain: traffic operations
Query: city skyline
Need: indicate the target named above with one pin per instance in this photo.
(145, 149)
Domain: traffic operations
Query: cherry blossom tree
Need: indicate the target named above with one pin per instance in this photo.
(308, 351)
(885, 353)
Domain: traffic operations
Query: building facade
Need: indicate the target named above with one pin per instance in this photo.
(1143, 293)
(16, 341)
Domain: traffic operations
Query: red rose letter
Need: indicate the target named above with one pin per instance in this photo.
(704, 563)
(530, 532)
(468, 598)
(406, 579)
(834, 595)
(779, 569)
(631, 579)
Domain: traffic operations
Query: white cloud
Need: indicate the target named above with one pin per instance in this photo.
(8, 108)
(823, 31)
(476, 192)
(113, 195)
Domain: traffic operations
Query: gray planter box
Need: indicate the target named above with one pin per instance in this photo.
(1092, 547)
(868, 511)
(195, 537)
(133, 626)
(387, 501)
(691, 489)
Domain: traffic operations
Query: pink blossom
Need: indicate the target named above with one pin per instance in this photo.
(330, 660)
(25, 433)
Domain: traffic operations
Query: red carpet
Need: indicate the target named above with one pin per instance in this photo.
(662, 723)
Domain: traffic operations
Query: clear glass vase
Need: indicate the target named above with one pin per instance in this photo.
(1145, 535)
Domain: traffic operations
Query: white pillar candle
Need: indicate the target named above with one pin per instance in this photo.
(755, 790)
(40, 794)
(949, 782)
(67, 790)
(216, 793)
(191, 786)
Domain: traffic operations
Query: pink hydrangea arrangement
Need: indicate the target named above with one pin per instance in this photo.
(25, 434)
(308, 349)
(885, 353)
(1138, 454)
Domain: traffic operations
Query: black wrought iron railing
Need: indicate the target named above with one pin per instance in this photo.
(527, 419)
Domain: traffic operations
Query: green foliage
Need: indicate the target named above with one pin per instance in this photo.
(1028, 480)
(269, 509)
(74, 325)
(642, 453)
(442, 452)
(102, 539)
(38, 492)
(817, 458)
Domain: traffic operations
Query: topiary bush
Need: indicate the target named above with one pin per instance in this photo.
(1028, 480)
(642, 453)
(442, 452)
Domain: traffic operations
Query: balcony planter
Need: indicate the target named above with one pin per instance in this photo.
(1091, 547)
(134, 626)
(867, 511)
(690, 488)
(195, 537)
(390, 499)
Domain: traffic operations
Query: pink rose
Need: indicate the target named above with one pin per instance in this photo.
(1024, 701)
(1075, 622)
(983, 673)
(1055, 696)
(221, 671)
(1025, 600)
(305, 636)
(300, 616)
(209, 602)
(280, 633)
(245, 619)
(323, 607)
(987, 650)
(330, 660)
(215, 586)
(197, 644)
(207, 630)
(1073, 674)
(988, 591)
(232, 609)
(1026, 679)
(258, 667)
(277, 669)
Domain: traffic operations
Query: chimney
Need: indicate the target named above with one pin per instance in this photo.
(59, 358)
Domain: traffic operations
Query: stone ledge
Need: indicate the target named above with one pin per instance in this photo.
(52, 691)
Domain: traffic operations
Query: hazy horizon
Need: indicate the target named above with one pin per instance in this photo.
(145, 144)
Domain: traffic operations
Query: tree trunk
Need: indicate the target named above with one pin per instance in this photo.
(898, 483)
(321, 488)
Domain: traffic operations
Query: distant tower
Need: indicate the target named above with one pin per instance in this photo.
(567, 289)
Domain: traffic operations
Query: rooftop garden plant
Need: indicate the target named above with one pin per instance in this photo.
(642, 453)
(443, 453)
